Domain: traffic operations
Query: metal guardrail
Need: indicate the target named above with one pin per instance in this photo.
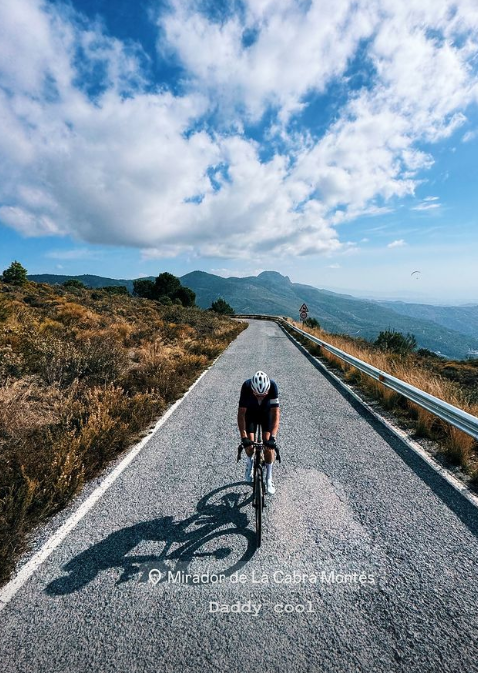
(447, 412)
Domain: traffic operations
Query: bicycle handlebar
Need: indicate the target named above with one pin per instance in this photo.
(255, 445)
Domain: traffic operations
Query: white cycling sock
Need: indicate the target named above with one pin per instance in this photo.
(269, 470)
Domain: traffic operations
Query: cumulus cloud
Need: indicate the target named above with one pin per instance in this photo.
(397, 244)
(92, 149)
(295, 47)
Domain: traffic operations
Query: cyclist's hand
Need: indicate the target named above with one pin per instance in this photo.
(270, 443)
(245, 441)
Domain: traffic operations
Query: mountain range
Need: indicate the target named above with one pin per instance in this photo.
(451, 331)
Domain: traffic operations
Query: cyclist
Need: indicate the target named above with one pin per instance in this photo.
(259, 403)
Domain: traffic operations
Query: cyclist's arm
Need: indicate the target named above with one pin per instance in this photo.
(241, 421)
(275, 419)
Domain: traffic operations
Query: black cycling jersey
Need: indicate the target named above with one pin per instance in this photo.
(250, 401)
(258, 413)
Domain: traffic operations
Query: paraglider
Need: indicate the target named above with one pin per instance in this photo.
(415, 272)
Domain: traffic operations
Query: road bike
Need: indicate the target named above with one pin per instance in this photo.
(258, 481)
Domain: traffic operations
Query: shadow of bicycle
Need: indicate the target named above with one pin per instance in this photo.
(214, 540)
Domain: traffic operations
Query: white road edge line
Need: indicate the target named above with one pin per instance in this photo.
(11, 588)
(414, 446)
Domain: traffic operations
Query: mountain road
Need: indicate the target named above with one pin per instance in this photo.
(368, 562)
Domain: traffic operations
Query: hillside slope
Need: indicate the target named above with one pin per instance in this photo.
(274, 294)
(463, 319)
(86, 279)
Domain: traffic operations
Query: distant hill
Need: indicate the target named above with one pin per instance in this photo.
(463, 319)
(272, 293)
(89, 281)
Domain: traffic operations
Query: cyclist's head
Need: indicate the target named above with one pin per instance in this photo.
(260, 383)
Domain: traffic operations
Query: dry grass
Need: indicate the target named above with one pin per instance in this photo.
(434, 378)
(82, 375)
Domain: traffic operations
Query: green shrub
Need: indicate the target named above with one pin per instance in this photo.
(396, 342)
(74, 283)
(221, 306)
(165, 300)
(115, 289)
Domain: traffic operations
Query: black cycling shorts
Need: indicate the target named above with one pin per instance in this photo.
(255, 417)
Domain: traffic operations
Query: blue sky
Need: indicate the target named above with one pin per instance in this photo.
(335, 142)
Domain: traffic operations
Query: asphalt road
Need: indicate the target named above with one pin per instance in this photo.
(369, 559)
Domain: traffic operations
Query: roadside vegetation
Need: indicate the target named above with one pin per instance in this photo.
(455, 382)
(221, 306)
(83, 374)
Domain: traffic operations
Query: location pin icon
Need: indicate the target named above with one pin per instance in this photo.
(154, 576)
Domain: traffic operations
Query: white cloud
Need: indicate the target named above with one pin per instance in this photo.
(76, 253)
(400, 243)
(334, 266)
(240, 273)
(298, 47)
(469, 136)
(129, 165)
(426, 205)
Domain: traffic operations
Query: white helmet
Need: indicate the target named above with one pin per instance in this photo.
(260, 383)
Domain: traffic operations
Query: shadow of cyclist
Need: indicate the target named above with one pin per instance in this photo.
(218, 515)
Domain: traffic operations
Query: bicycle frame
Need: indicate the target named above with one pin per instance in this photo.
(258, 483)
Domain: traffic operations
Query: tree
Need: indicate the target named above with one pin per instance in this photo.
(221, 306)
(166, 284)
(144, 288)
(73, 282)
(396, 342)
(16, 274)
(185, 294)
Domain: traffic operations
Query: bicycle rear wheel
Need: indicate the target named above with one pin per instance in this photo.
(259, 502)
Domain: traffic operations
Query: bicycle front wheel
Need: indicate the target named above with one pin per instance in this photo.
(258, 500)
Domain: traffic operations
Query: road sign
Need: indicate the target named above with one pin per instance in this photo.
(303, 315)
(304, 308)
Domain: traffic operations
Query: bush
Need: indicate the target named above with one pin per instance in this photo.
(16, 274)
(395, 342)
(425, 353)
(74, 283)
(58, 359)
(312, 322)
(221, 306)
(165, 300)
(115, 289)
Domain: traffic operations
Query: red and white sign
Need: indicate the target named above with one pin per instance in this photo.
(303, 315)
